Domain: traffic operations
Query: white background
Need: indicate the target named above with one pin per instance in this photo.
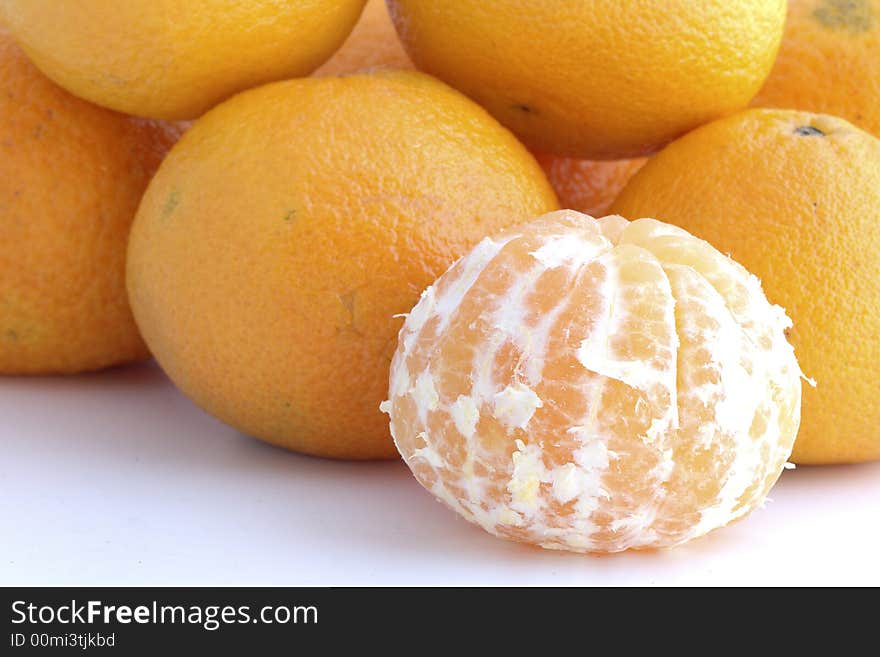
(116, 479)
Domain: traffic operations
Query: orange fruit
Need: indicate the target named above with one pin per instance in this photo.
(373, 43)
(793, 196)
(602, 79)
(585, 185)
(595, 385)
(175, 60)
(71, 177)
(829, 61)
(588, 186)
(267, 290)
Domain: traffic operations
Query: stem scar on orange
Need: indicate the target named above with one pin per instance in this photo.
(829, 62)
(793, 196)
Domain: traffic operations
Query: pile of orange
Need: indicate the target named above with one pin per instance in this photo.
(582, 384)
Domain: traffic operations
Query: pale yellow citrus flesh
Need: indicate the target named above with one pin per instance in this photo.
(595, 385)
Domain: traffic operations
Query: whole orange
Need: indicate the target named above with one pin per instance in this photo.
(588, 186)
(372, 43)
(71, 177)
(290, 225)
(596, 79)
(174, 60)
(829, 61)
(793, 196)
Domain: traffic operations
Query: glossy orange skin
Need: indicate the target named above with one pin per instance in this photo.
(829, 62)
(292, 223)
(793, 196)
(170, 59)
(596, 79)
(71, 177)
(585, 185)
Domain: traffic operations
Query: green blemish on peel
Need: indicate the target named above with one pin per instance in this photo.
(171, 203)
(853, 15)
(347, 301)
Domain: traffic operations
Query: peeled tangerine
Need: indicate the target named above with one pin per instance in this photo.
(596, 385)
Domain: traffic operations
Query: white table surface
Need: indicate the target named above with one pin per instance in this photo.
(117, 479)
